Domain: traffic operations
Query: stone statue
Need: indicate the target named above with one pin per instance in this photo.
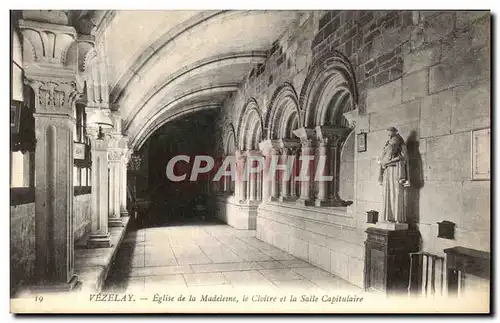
(394, 177)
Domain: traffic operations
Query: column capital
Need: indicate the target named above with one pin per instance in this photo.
(306, 143)
(351, 117)
(289, 151)
(289, 143)
(54, 96)
(135, 162)
(240, 154)
(269, 144)
(127, 153)
(253, 153)
(114, 155)
(305, 133)
(330, 136)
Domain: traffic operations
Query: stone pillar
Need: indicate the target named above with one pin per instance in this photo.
(99, 141)
(306, 156)
(55, 92)
(114, 162)
(123, 182)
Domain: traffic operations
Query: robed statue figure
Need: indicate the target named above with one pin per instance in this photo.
(394, 177)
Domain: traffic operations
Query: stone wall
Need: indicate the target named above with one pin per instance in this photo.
(426, 73)
(22, 232)
(82, 211)
(325, 237)
(22, 245)
(228, 210)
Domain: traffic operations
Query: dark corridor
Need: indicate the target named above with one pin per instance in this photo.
(174, 203)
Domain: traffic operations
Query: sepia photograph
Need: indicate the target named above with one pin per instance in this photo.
(250, 161)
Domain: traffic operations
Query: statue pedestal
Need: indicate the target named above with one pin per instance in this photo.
(392, 226)
(387, 259)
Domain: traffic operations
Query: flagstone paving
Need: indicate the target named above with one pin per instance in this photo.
(214, 256)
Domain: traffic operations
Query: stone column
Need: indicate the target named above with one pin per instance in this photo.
(285, 181)
(293, 179)
(270, 149)
(329, 139)
(288, 150)
(114, 163)
(252, 177)
(240, 182)
(274, 177)
(55, 92)
(123, 181)
(99, 141)
(307, 155)
(323, 198)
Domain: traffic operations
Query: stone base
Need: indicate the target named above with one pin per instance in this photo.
(392, 226)
(304, 202)
(99, 241)
(322, 203)
(286, 198)
(115, 222)
(56, 287)
(123, 213)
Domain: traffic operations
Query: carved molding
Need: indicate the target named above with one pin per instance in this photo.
(47, 43)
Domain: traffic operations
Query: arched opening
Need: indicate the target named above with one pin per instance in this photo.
(329, 92)
(282, 119)
(249, 136)
(229, 150)
(283, 114)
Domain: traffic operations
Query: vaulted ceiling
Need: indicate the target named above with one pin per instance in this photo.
(164, 64)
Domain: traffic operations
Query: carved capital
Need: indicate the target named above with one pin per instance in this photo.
(135, 162)
(55, 96)
(276, 151)
(306, 143)
(351, 117)
(114, 155)
(329, 136)
(126, 154)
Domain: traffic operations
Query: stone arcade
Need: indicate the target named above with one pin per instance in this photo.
(105, 99)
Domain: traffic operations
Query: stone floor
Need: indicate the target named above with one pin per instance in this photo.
(214, 256)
